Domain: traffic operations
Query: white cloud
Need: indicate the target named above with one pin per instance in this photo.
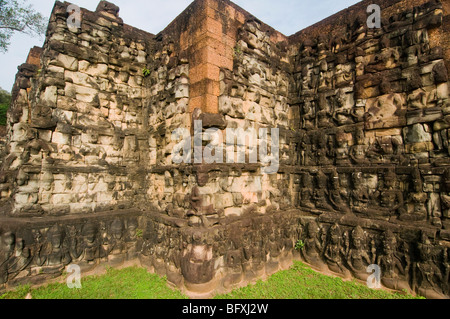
(287, 16)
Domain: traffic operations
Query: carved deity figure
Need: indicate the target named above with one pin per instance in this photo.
(342, 115)
(131, 239)
(117, 243)
(428, 275)
(73, 242)
(322, 150)
(39, 256)
(308, 115)
(334, 251)
(338, 197)
(6, 252)
(58, 254)
(197, 262)
(306, 191)
(198, 210)
(358, 150)
(104, 240)
(342, 151)
(321, 192)
(360, 194)
(21, 258)
(357, 258)
(391, 198)
(91, 249)
(445, 195)
(390, 264)
(324, 115)
(313, 245)
(417, 199)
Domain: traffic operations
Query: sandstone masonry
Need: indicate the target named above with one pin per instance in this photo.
(87, 175)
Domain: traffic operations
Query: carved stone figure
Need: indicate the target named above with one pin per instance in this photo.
(313, 246)
(358, 151)
(321, 192)
(39, 257)
(429, 277)
(21, 258)
(131, 239)
(308, 115)
(342, 151)
(391, 198)
(334, 251)
(6, 251)
(324, 115)
(321, 150)
(197, 262)
(417, 199)
(306, 192)
(90, 246)
(342, 115)
(118, 247)
(357, 258)
(338, 197)
(390, 263)
(58, 253)
(445, 194)
(360, 194)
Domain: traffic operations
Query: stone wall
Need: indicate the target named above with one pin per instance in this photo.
(363, 148)
(373, 147)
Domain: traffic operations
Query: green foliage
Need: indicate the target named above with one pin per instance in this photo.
(5, 100)
(139, 233)
(146, 72)
(237, 51)
(299, 245)
(18, 16)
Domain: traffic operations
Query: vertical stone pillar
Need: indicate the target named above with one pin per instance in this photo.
(211, 45)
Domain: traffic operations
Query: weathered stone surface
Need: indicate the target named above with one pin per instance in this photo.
(88, 174)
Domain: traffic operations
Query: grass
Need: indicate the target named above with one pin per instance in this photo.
(128, 283)
(299, 282)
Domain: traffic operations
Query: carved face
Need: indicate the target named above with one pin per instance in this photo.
(8, 242)
(116, 229)
(417, 185)
(55, 239)
(312, 230)
(20, 245)
(359, 137)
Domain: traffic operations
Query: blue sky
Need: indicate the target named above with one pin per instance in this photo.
(287, 16)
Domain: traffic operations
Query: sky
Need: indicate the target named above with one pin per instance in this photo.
(286, 16)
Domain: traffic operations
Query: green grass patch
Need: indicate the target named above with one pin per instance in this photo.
(128, 283)
(299, 282)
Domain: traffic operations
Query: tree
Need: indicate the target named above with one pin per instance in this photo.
(18, 16)
(5, 100)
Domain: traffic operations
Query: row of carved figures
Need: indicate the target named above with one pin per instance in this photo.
(50, 249)
(420, 266)
(333, 193)
(319, 149)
